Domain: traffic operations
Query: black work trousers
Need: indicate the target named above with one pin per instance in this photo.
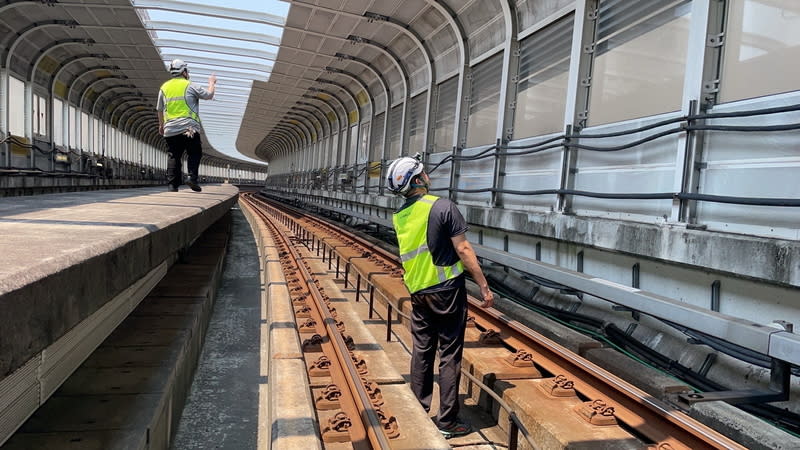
(438, 321)
(177, 145)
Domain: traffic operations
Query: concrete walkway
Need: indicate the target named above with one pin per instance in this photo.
(222, 409)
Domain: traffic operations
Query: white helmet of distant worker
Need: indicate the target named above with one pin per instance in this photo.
(401, 172)
(177, 66)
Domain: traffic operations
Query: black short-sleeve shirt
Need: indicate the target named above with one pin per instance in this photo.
(445, 221)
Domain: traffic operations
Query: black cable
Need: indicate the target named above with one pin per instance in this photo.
(521, 147)
(755, 201)
(615, 148)
(744, 129)
(750, 113)
(631, 131)
(532, 151)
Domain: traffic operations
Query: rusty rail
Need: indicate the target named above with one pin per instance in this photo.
(647, 416)
(369, 432)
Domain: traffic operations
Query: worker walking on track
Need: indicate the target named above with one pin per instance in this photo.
(179, 122)
(434, 251)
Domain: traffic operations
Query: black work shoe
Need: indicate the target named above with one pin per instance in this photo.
(172, 188)
(193, 184)
(458, 429)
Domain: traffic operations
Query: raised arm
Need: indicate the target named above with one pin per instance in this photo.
(212, 85)
(470, 261)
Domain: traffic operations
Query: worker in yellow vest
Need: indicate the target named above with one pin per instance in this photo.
(431, 235)
(179, 122)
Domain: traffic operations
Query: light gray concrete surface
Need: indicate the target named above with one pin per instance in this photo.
(37, 185)
(129, 393)
(73, 252)
(766, 259)
(743, 427)
(222, 408)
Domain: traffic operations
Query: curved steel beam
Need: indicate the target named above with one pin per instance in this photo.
(343, 119)
(277, 145)
(361, 40)
(344, 124)
(87, 71)
(294, 112)
(8, 50)
(288, 138)
(5, 118)
(78, 124)
(90, 85)
(358, 81)
(317, 113)
(131, 113)
(56, 44)
(289, 127)
(462, 108)
(508, 94)
(387, 94)
(311, 117)
(14, 3)
(308, 123)
(404, 74)
(371, 99)
(505, 121)
(339, 120)
(52, 91)
(292, 136)
(129, 103)
(345, 156)
(125, 123)
(74, 59)
(329, 143)
(309, 138)
(110, 90)
(137, 126)
(282, 139)
(332, 109)
(294, 133)
(418, 41)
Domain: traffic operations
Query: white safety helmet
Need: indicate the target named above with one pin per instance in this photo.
(176, 67)
(401, 172)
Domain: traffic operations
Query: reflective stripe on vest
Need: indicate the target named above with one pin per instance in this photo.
(175, 104)
(411, 226)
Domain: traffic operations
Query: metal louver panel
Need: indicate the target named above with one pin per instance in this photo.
(483, 102)
(395, 124)
(626, 20)
(445, 115)
(416, 123)
(376, 150)
(545, 53)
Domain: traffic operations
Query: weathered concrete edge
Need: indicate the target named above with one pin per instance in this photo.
(46, 371)
(771, 260)
(64, 299)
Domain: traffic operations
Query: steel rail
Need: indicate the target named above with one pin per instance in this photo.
(639, 410)
(648, 416)
(371, 429)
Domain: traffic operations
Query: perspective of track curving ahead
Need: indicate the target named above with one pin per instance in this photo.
(576, 394)
(359, 414)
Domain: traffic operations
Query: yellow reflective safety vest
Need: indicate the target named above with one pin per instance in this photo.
(175, 104)
(411, 226)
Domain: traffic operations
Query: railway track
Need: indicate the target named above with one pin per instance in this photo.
(546, 384)
(358, 417)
